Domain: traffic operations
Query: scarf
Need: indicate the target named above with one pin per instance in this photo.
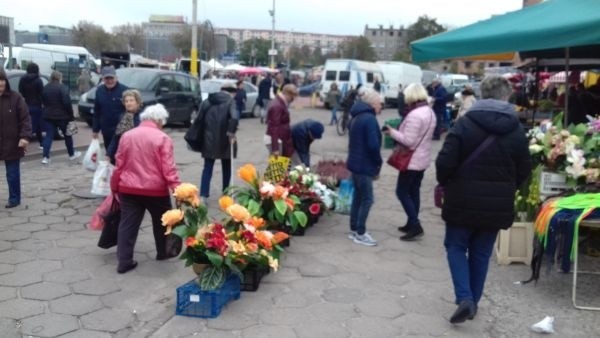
(125, 124)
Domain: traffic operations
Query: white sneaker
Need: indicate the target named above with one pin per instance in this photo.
(352, 235)
(365, 239)
(204, 201)
(75, 156)
(45, 160)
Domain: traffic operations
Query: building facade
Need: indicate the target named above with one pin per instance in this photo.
(386, 41)
(163, 25)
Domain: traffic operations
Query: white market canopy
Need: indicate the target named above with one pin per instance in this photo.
(235, 67)
(214, 64)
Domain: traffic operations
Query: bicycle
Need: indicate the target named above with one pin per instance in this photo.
(343, 124)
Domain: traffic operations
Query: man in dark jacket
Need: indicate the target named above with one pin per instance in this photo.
(479, 200)
(278, 122)
(108, 105)
(401, 103)
(15, 132)
(30, 87)
(264, 96)
(303, 134)
(364, 162)
(220, 125)
(440, 97)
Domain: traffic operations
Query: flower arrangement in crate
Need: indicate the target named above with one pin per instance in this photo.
(271, 201)
(226, 246)
(316, 197)
(528, 199)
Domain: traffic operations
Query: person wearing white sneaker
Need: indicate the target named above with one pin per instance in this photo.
(364, 161)
(75, 156)
(57, 113)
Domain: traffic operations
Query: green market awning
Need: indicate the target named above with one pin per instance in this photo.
(542, 30)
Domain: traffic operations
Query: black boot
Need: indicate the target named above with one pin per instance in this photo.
(413, 233)
(466, 310)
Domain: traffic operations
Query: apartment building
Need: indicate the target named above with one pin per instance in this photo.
(386, 41)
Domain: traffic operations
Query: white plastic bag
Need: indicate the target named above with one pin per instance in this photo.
(101, 182)
(93, 155)
(544, 326)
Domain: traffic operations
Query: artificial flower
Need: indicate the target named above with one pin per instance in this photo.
(238, 213)
(280, 192)
(315, 208)
(273, 263)
(247, 173)
(290, 203)
(252, 247)
(187, 192)
(264, 239)
(225, 202)
(171, 218)
(267, 189)
(535, 148)
(256, 222)
(191, 241)
(237, 247)
(279, 236)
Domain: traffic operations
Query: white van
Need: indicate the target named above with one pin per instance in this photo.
(396, 74)
(46, 55)
(6, 53)
(454, 80)
(348, 73)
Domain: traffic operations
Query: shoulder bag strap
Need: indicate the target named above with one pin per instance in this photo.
(426, 130)
(477, 151)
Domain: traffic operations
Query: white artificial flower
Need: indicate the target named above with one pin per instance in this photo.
(267, 188)
(535, 148)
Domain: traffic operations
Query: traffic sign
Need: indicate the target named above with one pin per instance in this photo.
(272, 52)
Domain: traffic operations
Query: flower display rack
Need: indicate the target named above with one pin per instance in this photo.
(252, 277)
(194, 302)
(514, 245)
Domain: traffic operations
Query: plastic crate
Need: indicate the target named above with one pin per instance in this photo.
(514, 245)
(193, 302)
(252, 277)
(388, 142)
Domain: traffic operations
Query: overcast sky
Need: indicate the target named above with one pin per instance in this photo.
(347, 17)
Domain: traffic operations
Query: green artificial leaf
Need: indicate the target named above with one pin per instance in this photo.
(253, 208)
(301, 217)
(212, 278)
(292, 222)
(280, 206)
(214, 258)
(579, 129)
(180, 231)
(557, 120)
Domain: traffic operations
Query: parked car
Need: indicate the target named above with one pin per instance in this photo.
(214, 85)
(15, 75)
(178, 92)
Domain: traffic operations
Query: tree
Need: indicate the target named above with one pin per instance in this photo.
(401, 55)
(317, 56)
(205, 41)
(129, 37)
(93, 37)
(255, 51)
(358, 48)
(231, 45)
(424, 27)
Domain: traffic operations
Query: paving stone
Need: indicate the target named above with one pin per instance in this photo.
(412, 324)
(69, 227)
(7, 293)
(45, 219)
(43, 206)
(111, 320)
(31, 227)
(270, 331)
(285, 316)
(83, 262)
(180, 326)
(16, 256)
(8, 221)
(6, 268)
(283, 275)
(58, 253)
(293, 299)
(317, 269)
(45, 291)
(49, 235)
(96, 287)
(39, 266)
(214, 334)
(58, 198)
(380, 307)
(76, 305)
(32, 244)
(367, 326)
(66, 276)
(74, 243)
(343, 295)
(21, 308)
(9, 329)
(11, 235)
(4, 245)
(49, 325)
(86, 334)
(62, 212)
(20, 278)
(330, 330)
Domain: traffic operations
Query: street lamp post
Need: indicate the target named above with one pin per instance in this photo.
(194, 51)
(272, 12)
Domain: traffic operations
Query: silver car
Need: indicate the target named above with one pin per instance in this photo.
(214, 85)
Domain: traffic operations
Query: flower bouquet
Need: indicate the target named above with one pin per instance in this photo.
(226, 246)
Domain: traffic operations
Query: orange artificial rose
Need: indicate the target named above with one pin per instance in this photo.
(171, 218)
(252, 247)
(191, 241)
(263, 239)
(290, 203)
(280, 192)
(225, 202)
(238, 212)
(256, 222)
(187, 192)
(247, 173)
(280, 236)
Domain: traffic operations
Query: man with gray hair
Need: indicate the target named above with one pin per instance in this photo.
(483, 161)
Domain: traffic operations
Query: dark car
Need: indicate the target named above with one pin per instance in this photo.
(178, 92)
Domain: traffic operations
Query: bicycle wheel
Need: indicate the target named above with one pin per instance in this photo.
(341, 127)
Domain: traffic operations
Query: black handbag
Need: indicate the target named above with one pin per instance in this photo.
(173, 245)
(194, 136)
(108, 237)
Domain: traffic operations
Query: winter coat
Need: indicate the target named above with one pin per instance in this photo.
(333, 98)
(417, 126)
(440, 96)
(466, 104)
(219, 124)
(278, 127)
(57, 103)
(31, 86)
(482, 195)
(240, 99)
(145, 162)
(364, 145)
(264, 89)
(302, 139)
(108, 108)
(15, 123)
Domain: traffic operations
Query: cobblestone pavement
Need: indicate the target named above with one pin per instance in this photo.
(55, 281)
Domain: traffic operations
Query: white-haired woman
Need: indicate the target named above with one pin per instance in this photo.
(132, 100)
(415, 133)
(145, 173)
(364, 161)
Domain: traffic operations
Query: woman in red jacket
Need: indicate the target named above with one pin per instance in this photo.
(145, 173)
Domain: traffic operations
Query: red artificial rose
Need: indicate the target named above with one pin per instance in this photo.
(315, 208)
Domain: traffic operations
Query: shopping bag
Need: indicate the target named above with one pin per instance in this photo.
(93, 155)
(277, 168)
(108, 237)
(97, 221)
(101, 181)
(343, 202)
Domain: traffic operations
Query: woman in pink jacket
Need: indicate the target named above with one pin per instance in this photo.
(145, 174)
(415, 133)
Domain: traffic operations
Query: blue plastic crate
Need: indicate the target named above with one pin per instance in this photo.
(193, 302)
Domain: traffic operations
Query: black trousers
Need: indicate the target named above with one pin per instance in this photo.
(133, 208)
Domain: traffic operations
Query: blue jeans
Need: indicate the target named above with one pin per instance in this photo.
(13, 177)
(52, 125)
(439, 118)
(361, 202)
(408, 191)
(37, 124)
(209, 163)
(334, 114)
(468, 251)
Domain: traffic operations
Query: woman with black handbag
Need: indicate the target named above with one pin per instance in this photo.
(412, 156)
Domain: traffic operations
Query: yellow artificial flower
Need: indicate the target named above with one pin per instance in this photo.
(273, 263)
(187, 192)
(247, 173)
(171, 218)
(238, 213)
(225, 202)
(237, 247)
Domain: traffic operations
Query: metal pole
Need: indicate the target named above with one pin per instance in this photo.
(273, 36)
(194, 51)
(566, 119)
